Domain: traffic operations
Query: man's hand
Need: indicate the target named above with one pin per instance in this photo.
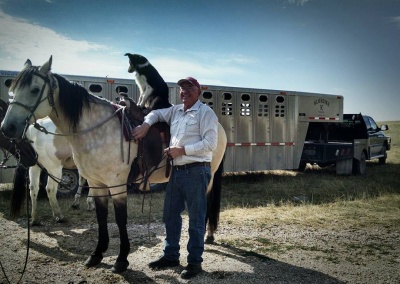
(174, 151)
(140, 131)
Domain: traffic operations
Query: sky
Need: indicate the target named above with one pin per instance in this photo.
(341, 47)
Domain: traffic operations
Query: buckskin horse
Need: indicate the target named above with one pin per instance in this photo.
(93, 129)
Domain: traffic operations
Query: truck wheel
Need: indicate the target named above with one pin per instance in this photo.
(360, 166)
(70, 183)
(302, 166)
(382, 161)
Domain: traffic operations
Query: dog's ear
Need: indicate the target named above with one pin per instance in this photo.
(129, 55)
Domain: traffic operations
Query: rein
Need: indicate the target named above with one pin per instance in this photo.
(44, 130)
(146, 177)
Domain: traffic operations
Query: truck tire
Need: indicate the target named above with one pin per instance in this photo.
(70, 179)
(382, 161)
(360, 166)
(302, 166)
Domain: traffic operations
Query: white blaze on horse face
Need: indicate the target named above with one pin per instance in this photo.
(17, 115)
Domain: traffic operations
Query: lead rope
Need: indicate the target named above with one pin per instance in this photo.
(29, 237)
(122, 134)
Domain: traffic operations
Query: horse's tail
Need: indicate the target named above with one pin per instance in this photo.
(18, 192)
(214, 199)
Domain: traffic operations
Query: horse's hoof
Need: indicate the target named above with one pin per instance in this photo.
(93, 261)
(120, 267)
(209, 240)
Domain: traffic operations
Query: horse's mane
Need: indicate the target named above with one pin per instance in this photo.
(73, 98)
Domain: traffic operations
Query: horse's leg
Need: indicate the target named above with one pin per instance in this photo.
(213, 204)
(51, 189)
(101, 201)
(18, 192)
(78, 194)
(34, 179)
(121, 218)
(90, 201)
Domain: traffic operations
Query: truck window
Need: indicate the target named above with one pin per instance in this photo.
(367, 123)
(370, 123)
(374, 126)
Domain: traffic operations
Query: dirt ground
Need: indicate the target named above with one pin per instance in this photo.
(57, 252)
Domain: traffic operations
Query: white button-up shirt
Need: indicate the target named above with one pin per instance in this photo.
(195, 129)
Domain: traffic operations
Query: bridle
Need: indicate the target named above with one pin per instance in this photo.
(49, 97)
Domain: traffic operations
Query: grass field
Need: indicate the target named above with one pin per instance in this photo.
(344, 228)
(305, 197)
(291, 194)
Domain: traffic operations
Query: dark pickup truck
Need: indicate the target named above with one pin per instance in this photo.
(348, 144)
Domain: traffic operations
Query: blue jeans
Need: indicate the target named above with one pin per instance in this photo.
(186, 188)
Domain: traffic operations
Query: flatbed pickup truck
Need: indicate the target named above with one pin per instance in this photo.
(348, 144)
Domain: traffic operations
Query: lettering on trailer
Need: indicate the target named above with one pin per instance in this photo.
(8, 73)
(261, 144)
(321, 101)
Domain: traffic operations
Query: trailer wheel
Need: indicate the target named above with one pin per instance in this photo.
(360, 166)
(382, 161)
(70, 180)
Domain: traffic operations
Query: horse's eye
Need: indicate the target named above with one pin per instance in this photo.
(35, 91)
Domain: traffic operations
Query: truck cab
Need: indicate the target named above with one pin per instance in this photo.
(347, 144)
(379, 143)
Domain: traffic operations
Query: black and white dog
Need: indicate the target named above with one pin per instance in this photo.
(154, 92)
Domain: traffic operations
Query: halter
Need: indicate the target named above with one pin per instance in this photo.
(49, 97)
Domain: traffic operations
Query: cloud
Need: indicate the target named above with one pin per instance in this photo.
(208, 68)
(395, 20)
(298, 2)
(22, 40)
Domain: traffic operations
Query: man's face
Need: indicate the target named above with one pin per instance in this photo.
(189, 94)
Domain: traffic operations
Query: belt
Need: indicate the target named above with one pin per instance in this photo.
(192, 165)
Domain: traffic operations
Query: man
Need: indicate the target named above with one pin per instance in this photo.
(194, 134)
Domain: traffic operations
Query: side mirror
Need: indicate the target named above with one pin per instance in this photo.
(384, 127)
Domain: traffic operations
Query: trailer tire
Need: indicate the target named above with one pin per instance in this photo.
(71, 179)
(360, 166)
(382, 161)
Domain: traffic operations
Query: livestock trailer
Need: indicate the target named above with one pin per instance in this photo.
(265, 128)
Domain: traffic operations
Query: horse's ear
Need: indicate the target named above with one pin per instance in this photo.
(28, 64)
(47, 66)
